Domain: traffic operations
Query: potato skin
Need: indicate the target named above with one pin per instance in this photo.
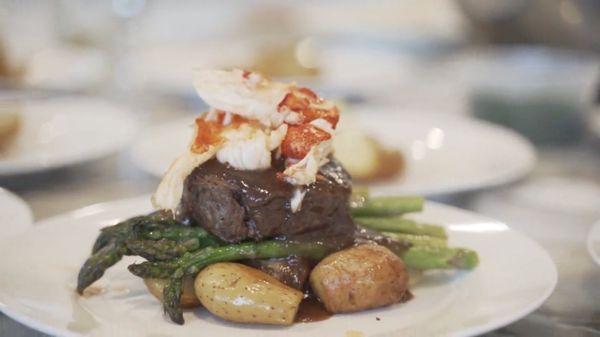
(188, 296)
(239, 293)
(365, 158)
(359, 278)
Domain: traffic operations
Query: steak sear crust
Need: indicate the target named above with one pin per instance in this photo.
(240, 205)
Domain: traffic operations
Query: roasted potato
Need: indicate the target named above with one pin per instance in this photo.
(359, 278)
(9, 123)
(365, 158)
(239, 293)
(188, 296)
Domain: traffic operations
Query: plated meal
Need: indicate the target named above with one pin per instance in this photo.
(258, 222)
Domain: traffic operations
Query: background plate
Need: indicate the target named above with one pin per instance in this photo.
(593, 242)
(65, 131)
(15, 214)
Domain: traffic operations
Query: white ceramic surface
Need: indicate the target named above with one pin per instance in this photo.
(168, 67)
(15, 215)
(67, 68)
(164, 143)
(593, 242)
(446, 154)
(595, 125)
(443, 154)
(38, 288)
(66, 131)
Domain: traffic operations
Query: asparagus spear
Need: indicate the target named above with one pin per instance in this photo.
(122, 239)
(124, 230)
(417, 240)
(172, 297)
(420, 257)
(156, 269)
(108, 249)
(402, 225)
(177, 233)
(95, 265)
(163, 249)
(193, 262)
(387, 206)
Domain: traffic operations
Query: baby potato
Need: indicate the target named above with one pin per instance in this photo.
(358, 153)
(10, 121)
(365, 158)
(188, 296)
(359, 278)
(239, 293)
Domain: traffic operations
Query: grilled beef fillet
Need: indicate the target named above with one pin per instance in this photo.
(255, 205)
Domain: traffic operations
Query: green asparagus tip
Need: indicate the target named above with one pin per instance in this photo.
(465, 259)
(388, 206)
(425, 258)
(401, 225)
(418, 240)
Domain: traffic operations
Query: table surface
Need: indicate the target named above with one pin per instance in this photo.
(572, 310)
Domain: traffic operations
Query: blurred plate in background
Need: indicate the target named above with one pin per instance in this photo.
(167, 68)
(593, 242)
(543, 93)
(595, 126)
(442, 154)
(15, 215)
(446, 154)
(64, 131)
(67, 68)
(162, 145)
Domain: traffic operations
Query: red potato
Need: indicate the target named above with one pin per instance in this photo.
(359, 278)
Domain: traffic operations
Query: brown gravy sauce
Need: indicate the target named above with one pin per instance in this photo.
(311, 310)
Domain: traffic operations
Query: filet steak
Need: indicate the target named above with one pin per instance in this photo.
(240, 205)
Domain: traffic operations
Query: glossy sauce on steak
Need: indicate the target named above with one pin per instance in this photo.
(238, 205)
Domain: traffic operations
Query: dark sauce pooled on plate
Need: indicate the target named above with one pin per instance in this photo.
(311, 310)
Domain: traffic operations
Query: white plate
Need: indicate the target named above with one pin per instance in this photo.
(168, 67)
(67, 68)
(595, 125)
(443, 154)
(66, 131)
(514, 277)
(15, 215)
(593, 242)
(164, 143)
(446, 154)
